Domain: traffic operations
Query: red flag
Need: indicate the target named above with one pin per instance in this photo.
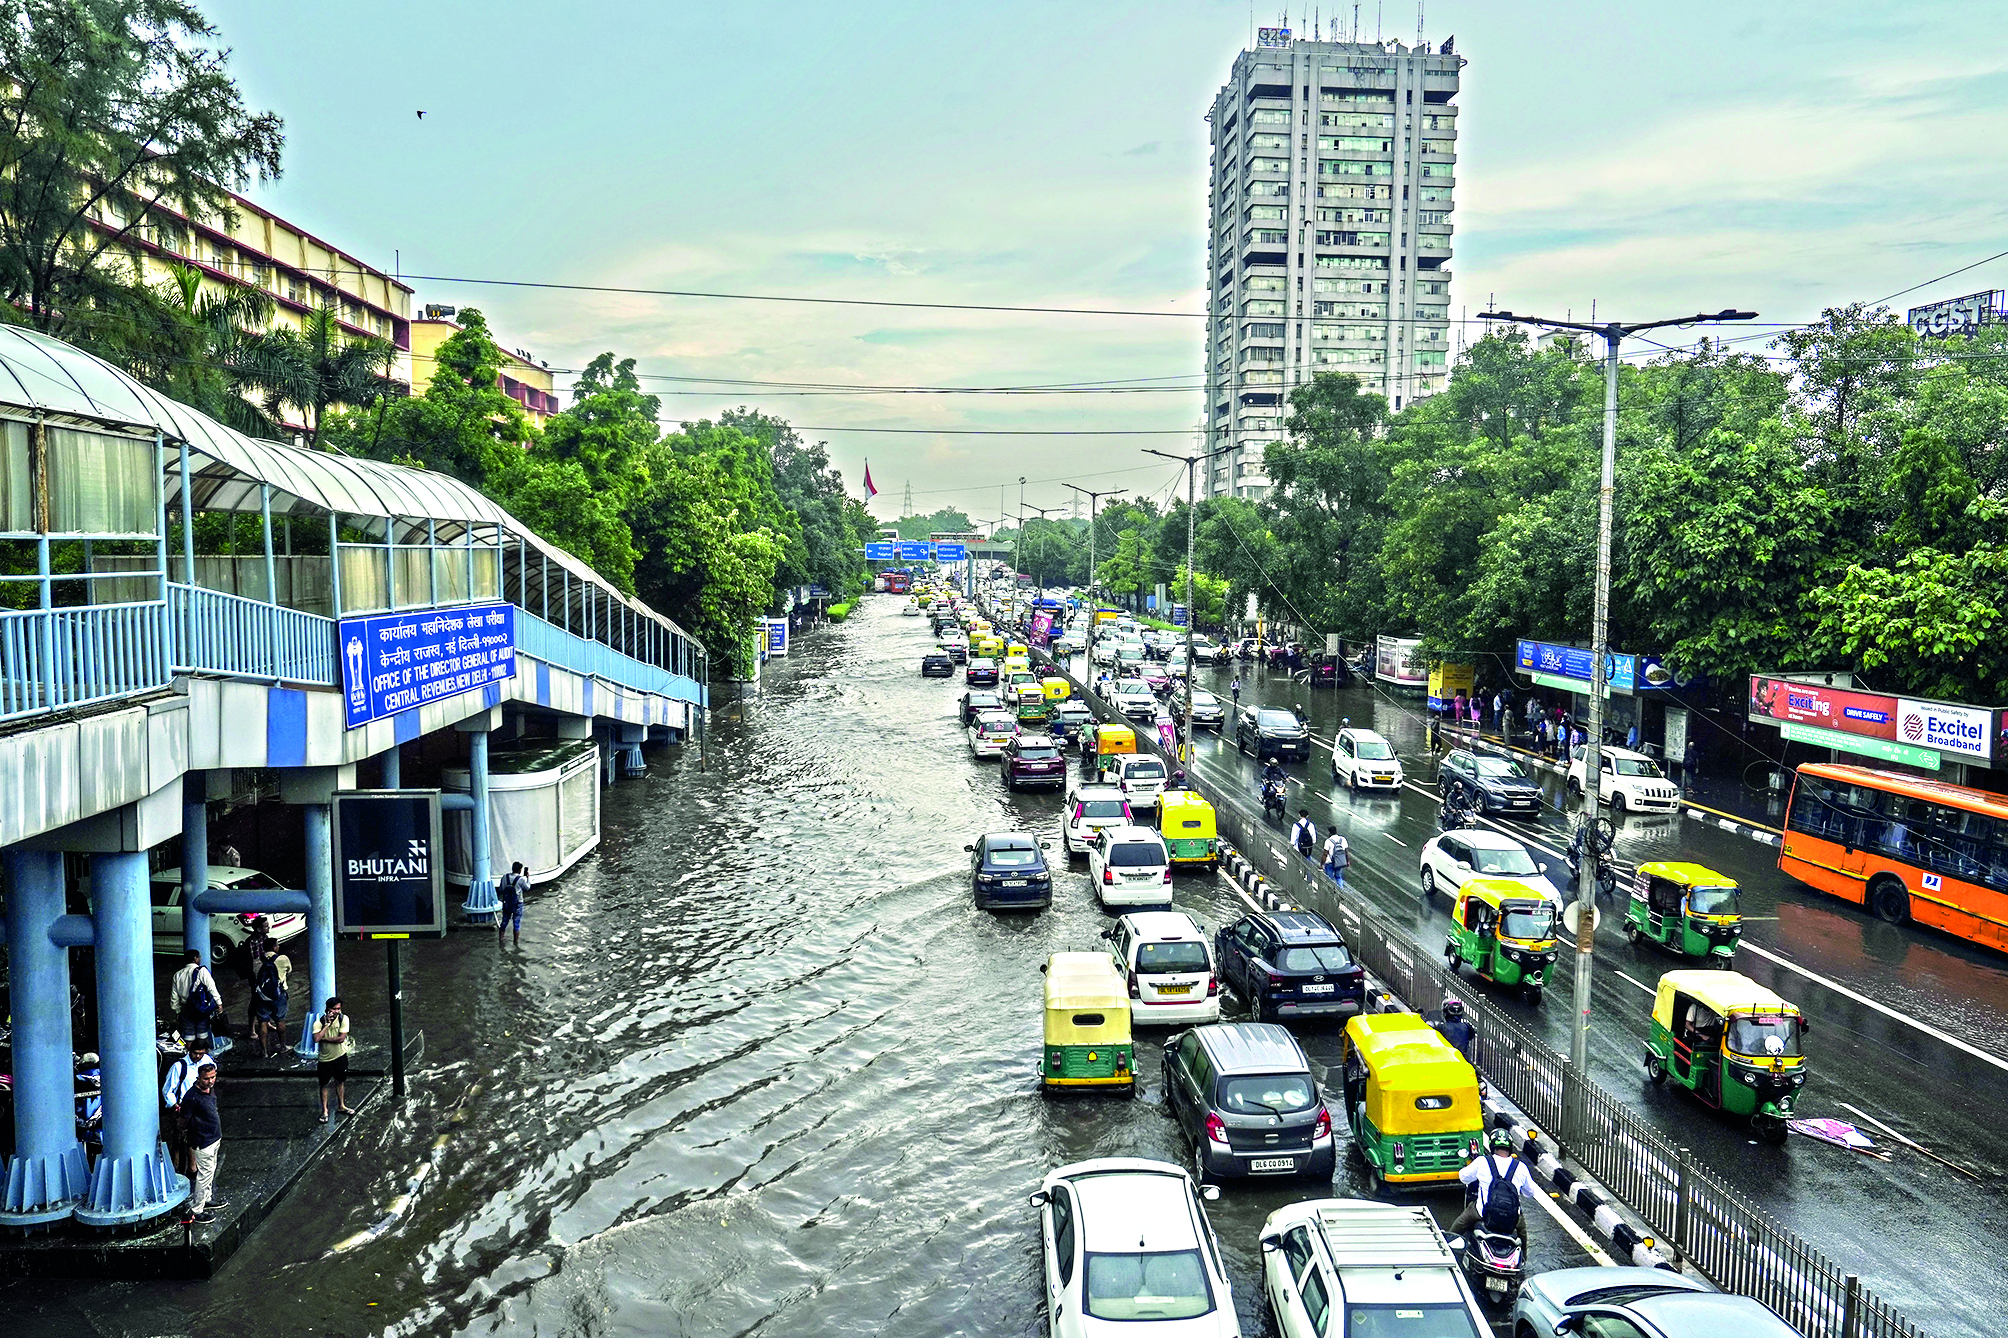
(871, 490)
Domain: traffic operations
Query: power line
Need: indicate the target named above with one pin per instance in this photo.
(1011, 431)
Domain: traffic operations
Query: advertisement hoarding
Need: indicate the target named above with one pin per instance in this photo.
(1961, 731)
(1571, 668)
(389, 864)
(392, 662)
(1041, 630)
(1870, 715)
(1446, 681)
(777, 636)
(1395, 662)
(1178, 615)
(1956, 315)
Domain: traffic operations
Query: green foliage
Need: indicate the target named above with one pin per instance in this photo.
(120, 110)
(838, 612)
(948, 520)
(1931, 625)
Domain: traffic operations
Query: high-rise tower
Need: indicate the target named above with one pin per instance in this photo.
(1333, 180)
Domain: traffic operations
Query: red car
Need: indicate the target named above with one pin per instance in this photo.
(1032, 760)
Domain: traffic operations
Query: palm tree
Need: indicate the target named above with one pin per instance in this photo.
(317, 367)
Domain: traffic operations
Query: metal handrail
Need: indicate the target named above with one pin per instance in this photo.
(56, 659)
(221, 633)
(545, 641)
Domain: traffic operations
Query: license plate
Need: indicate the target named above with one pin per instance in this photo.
(1273, 1164)
(1319, 989)
(1174, 989)
(1014, 882)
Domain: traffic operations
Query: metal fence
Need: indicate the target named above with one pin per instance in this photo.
(1693, 1209)
(536, 637)
(54, 659)
(221, 633)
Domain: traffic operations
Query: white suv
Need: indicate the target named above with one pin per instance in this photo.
(1128, 1250)
(227, 933)
(1631, 781)
(1165, 957)
(1450, 859)
(1365, 760)
(1129, 866)
(1384, 1267)
(1091, 810)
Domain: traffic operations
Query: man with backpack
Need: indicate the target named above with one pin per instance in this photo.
(268, 1004)
(1501, 1183)
(1338, 855)
(194, 999)
(1304, 836)
(511, 890)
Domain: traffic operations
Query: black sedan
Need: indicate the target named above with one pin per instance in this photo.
(936, 664)
(1009, 872)
(975, 703)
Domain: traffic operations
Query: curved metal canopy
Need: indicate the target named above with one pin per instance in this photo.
(43, 373)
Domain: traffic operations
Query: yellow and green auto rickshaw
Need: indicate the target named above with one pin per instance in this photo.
(1505, 932)
(1411, 1099)
(1104, 752)
(1191, 833)
(1088, 1043)
(1018, 648)
(1032, 706)
(1733, 1043)
(1057, 689)
(1687, 909)
(1018, 662)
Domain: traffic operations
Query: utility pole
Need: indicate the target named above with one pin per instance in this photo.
(1019, 537)
(1094, 619)
(1191, 463)
(1042, 510)
(1613, 334)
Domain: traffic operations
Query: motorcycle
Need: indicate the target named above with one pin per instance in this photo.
(1274, 804)
(1605, 837)
(1454, 813)
(1491, 1260)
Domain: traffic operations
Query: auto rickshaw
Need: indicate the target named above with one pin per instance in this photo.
(1731, 1042)
(1191, 833)
(1088, 1042)
(1411, 1099)
(1105, 749)
(1057, 689)
(1020, 662)
(1686, 909)
(992, 646)
(1032, 706)
(1505, 932)
(1018, 648)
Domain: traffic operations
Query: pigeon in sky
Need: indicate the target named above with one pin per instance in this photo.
(421, 116)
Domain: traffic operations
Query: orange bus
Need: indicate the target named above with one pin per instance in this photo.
(1905, 848)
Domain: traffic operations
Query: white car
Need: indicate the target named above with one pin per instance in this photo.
(1451, 858)
(1105, 650)
(1365, 761)
(1205, 650)
(1091, 810)
(1169, 965)
(1129, 866)
(1354, 1266)
(227, 933)
(1631, 781)
(1133, 698)
(1128, 1251)
(992, 730)
(1141, 779)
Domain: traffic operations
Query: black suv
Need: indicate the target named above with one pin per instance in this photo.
(1490, 784)
(1009, 872)
(1244, 1094)
(975, 703)
(1273, 732)
(936, 664)
(1290, 964)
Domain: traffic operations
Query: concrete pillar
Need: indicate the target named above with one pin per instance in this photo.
(194, 862)
(482, 904)
(133, 1180)
(393, 768)
(46, 1176)
(320, 926)
(631, 739)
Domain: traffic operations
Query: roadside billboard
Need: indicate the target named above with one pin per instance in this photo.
(1572, 668)
(389, 877)
(1396, 663)
(1839, 718)
(1962, 731)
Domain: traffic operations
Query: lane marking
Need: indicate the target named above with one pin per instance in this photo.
(1396, 839)
(1582, 1237)
(1641, 984)
(1866, 1002)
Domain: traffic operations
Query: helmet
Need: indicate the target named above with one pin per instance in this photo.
(1453, 1009)
(1501, 1140)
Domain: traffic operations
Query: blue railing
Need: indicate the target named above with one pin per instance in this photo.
(536, 637)
(217, 633)
(54, 659)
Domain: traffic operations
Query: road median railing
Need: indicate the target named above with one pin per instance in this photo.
(1694, 1210)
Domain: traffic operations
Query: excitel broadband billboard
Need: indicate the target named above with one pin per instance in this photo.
(1945, 727)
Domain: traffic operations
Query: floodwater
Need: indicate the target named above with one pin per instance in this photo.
(760, 1068)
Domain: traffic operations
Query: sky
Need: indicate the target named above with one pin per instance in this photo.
(1652, 159)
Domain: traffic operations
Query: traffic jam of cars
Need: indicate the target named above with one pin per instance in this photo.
(1126, 1242)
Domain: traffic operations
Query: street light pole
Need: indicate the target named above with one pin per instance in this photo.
(1192, 463)
(1093, 621)
(1613, 334)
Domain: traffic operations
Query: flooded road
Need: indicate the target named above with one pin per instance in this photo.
(760, 1068)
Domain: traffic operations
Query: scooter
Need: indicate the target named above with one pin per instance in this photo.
(1492, 1263)
(1453, 813)
(1274, 804)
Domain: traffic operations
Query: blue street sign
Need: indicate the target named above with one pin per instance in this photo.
(951, 552)
(914, 552)
(777, 636)
(1178, 615)
(1150, 602)
(881, 552)
(395, 661)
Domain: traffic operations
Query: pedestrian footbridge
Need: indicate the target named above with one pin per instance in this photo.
(181, 604)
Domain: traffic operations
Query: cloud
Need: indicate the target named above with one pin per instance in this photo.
(1144, 150)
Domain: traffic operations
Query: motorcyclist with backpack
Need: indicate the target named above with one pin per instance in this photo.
(1500, 1184)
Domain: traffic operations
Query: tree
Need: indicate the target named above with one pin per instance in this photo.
(463, 425)
(1209, 597)
(116, 111)
(186, 338)
(317, 367)
(1329, 502)
(1932, 625)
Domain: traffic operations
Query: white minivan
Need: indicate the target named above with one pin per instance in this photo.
(1129, 866)
(1169, 965)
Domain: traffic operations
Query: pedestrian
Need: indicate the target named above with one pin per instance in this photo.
(205, 1141)
(511, 890)
(180, 1081)
(1540, 734)
(268, 1005)
(1436, 732)
(1338, 855)
(332, 1035)
(1236, 689)
(1631, 737)
(1499, 713)
(1304, 836)
(193, 997)
(1690, 765)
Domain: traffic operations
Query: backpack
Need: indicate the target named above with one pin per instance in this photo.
(1304, 840)
(1502, 1203)
(272, 987)
(205, 1000)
